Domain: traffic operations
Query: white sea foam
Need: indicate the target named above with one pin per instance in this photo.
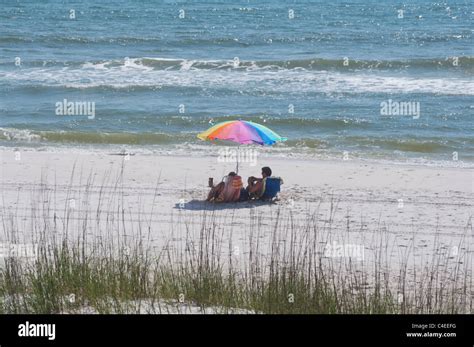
(250, 78)
(23, 135)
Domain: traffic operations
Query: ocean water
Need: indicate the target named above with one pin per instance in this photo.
(317, 72)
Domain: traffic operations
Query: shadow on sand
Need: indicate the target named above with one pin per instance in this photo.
(201, 205)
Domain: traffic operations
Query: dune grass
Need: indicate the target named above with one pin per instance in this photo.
(86, 261)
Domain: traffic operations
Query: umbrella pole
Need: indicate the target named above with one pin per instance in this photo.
(237, 160)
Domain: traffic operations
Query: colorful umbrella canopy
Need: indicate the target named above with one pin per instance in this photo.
(242, 132)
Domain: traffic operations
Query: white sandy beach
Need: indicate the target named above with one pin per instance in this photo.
(417, 208)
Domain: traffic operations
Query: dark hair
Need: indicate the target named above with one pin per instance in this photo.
(267, 171)
(232, 173)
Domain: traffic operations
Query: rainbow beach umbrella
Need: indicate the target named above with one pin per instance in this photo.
(241, 132)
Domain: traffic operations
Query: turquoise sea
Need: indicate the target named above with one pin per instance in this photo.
(316, 72)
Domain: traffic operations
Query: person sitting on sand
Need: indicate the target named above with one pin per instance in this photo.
(256, 186)
(226, 191)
